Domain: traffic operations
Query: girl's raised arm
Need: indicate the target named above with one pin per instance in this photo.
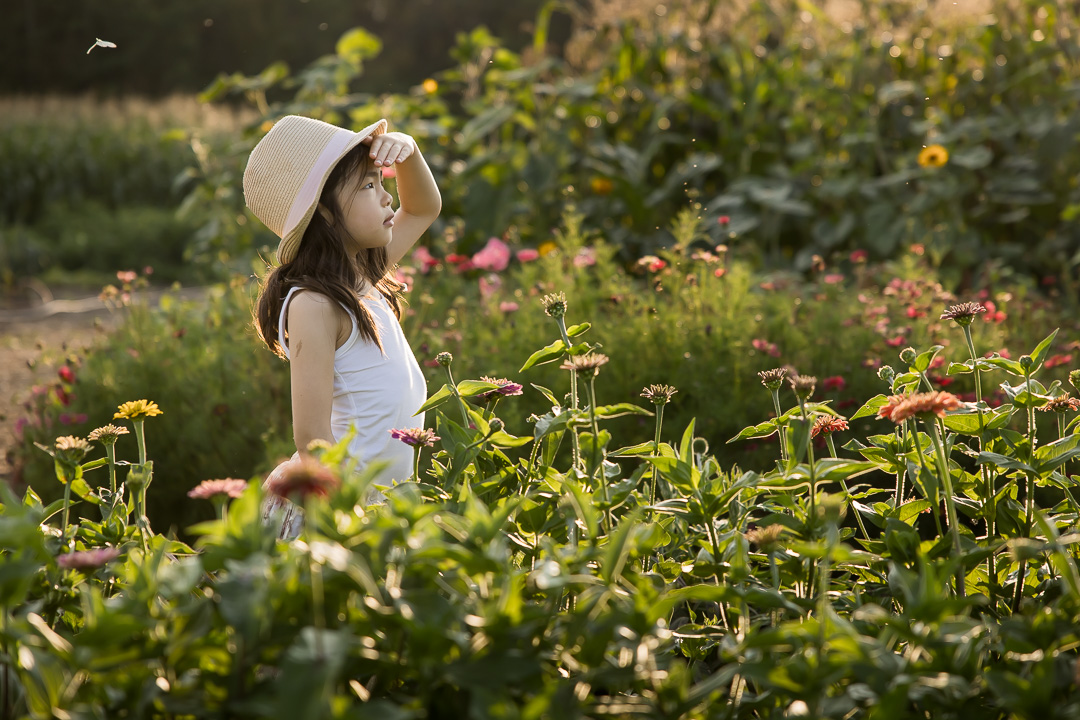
(418, 195)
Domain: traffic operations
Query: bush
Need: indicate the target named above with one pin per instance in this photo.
(809, 135)
(90, 239)
(644, 579)
(681, 324)
(225, 400)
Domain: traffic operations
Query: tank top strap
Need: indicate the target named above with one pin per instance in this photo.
(284, 315)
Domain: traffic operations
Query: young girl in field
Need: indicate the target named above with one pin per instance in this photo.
(332, 306)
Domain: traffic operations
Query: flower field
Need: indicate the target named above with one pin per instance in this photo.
(753, 365)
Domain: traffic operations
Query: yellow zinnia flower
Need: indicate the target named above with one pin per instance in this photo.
(933, 156)
(135, 409)
(430, 86)
(547, 248)
(265, 127)
(601, 185)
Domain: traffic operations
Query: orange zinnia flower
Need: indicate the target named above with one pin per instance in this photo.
(936, 403)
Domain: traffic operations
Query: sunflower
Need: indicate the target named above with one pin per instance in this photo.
(933, 156)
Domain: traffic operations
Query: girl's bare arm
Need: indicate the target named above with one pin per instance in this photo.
(418, 194)
(313, 330)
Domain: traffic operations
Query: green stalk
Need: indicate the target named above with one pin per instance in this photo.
(315, 570)
(67, 504)
(140, 438)
(950, 507)
(594, 461)
(110, 453)
(1029, 496)
(656, 451)
(989, 507)
(561, 322)
(843, 484)
(454, 390)
(780, 430)
(914, 430)
(810, 460)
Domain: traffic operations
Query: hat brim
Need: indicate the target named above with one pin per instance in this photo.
(308, 199)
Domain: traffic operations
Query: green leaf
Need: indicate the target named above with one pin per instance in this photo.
(548, 394)
(923, 360)
(1003, 461)
(444, 394)
(764, 429)
(870, 407)
(546, 354)
(472, 388)
(620, 409)
(645, 448)
(912, 508)
(1038, 355)
(575, 330)
(1010, 366)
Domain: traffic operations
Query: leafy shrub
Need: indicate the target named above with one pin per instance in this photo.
(89, 238)
(809, 135)
(682, 324)
(644, 579)
(225, 399)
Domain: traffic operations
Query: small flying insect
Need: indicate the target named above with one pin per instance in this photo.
(98, 42)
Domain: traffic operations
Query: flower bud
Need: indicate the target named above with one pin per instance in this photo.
(887, 374)
(496, 425)
(554, 304)
(1074, 379)
(444, 359)
(803, 386)
(908, 355)
(1026, 362)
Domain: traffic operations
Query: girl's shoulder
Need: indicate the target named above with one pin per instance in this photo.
(311, 307)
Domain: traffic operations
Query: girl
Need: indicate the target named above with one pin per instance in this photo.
(332, 306)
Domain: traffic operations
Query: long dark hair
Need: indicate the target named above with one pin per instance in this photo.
(323, 265)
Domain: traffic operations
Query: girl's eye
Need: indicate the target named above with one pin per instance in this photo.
(369, 185)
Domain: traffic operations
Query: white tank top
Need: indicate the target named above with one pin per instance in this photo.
(374, 391)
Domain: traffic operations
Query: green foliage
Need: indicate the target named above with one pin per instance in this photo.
(226, 400)
(91, 239)
(806, 133)
(504, 581)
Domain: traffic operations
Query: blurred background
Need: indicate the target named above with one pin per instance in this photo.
(719, 187)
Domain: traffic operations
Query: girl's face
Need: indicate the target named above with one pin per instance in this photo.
(366, 213)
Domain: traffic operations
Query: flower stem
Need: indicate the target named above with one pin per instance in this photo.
(141, 438)
(780, 430)
(454, 390)
(843, 484)
(950, 507)
(922, 464)
(315, 569)
(595, 460)
(573, 391)
(110, 453)
(656, 451)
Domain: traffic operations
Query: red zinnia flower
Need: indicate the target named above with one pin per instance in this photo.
(827, 424)
(66, 374)
(415, 436)
(303, 478)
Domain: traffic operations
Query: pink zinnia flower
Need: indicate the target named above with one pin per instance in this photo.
(858, 256)
(303, 478)
(899, 408)
(426, 260)
(527, 255)
(506, 387)
(585, 258)
(508, 306)
(765, 346)
(494, 256)
(415, 436)
(208, 489)
(723, 220)
(66, 374)
(489, 285)
(833, 279)
(88, 559)
(125, 275)
(827, 424)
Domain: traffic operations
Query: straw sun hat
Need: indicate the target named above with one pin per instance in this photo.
(287, 170)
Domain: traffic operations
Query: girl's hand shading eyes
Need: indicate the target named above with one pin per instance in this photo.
(390, 148)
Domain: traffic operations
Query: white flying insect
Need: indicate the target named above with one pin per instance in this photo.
(98, 42)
